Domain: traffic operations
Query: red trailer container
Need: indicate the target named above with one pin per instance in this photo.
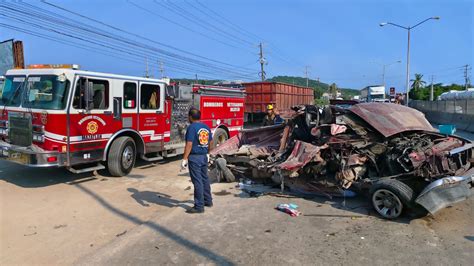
(281, 95)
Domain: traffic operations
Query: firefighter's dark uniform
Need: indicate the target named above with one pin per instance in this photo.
(200, 135)
(272, 120)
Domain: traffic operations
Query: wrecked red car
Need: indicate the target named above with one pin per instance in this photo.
(386, 150)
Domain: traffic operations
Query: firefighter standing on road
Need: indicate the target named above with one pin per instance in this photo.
(272, 117)
(196, 152)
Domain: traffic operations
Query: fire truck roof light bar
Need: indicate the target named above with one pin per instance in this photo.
(43, 66)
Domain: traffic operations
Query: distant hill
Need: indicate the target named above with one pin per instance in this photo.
(319, 87)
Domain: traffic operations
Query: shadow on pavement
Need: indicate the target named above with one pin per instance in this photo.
(470, 238)
(202, 251)
(144, 198)
(29, 177)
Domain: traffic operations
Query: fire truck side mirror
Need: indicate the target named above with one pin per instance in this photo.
(89, 95)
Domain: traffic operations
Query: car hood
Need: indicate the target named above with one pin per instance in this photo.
(390, 119)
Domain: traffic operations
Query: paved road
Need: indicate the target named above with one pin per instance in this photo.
(49, 216)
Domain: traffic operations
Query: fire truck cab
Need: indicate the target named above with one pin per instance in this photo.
(60, 116)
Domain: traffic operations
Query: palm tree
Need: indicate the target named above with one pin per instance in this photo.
(418, 82)
(333, 90)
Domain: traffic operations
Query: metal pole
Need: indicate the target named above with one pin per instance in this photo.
(146, 68)
(306, 75)
(162, 70)
(262, 62)
(407, 84)
(432, 90)
(383, 76)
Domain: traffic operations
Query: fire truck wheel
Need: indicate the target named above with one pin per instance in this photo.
(122, 155)
(220, 136)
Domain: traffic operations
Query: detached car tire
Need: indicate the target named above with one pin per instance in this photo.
(390, 198)
(219, 137)
(122, 156)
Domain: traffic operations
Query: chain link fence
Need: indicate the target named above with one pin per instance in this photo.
(453, 112)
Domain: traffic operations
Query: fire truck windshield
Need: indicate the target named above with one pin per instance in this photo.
(10, 93)
(46, 92)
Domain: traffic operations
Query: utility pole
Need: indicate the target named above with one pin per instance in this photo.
(306, 75)
(409, 28)
(466, 77)
(146, 68)
(196, 78)
(262, 62)
(432, 91)
(162, 70)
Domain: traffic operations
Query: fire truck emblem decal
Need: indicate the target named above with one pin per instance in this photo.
(44, 117)
(92, 127)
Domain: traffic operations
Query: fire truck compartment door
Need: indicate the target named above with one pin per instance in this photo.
(152, 118)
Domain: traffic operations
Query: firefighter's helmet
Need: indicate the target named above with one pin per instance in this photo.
(270, 107)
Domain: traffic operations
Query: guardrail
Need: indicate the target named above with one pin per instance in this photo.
(455, 112)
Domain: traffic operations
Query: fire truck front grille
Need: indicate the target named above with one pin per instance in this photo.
(20, 131)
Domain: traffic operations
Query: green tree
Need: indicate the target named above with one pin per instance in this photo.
(418, 82)
(333, 90)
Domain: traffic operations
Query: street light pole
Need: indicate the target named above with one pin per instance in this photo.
(409, 28)
(407, 83)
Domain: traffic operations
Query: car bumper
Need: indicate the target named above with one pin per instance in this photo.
(30, 157)
(446, 191)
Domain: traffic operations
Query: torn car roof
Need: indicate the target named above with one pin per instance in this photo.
(390, 119)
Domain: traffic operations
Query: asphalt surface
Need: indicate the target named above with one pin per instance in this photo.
(49, 216)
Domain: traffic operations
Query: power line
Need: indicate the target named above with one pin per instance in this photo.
(88, 30)
(180, 25)
(133, 34)
(212, 13)
(84, 47)
(182, 12)
(217, 17)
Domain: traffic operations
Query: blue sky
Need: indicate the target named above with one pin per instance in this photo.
(340, 41)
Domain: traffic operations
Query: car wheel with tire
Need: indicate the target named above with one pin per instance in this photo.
(390, 198)
(220, 136)
(121, 157)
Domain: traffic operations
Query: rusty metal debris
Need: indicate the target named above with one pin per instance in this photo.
(328, 150)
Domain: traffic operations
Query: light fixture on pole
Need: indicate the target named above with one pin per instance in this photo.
(409, 28)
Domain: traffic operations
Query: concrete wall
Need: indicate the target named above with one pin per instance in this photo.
(453, 112)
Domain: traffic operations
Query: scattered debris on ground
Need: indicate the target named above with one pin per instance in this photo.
(291, 209)
(389, 151)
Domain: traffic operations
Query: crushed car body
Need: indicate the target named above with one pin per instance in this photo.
(388, 150)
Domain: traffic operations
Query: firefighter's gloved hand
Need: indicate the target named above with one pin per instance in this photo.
(184, 164)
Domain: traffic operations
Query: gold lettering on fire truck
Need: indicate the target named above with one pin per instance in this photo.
(92, 127)
(98, 118)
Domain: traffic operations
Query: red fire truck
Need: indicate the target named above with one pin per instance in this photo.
(60, 116)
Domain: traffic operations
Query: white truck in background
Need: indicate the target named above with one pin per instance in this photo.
(373, 94)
